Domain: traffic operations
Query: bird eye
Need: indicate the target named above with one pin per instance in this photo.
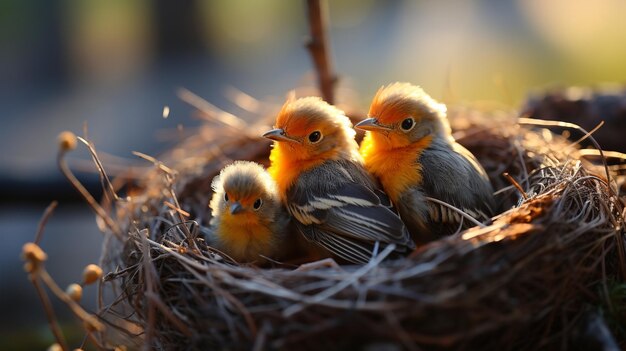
(226, 197)
(257, 204)
(407, 124)
(315, 136)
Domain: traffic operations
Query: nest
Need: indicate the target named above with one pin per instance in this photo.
(526, 281)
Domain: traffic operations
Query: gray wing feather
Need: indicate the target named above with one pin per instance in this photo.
(347, 249)
(346, 216)
(454, 176)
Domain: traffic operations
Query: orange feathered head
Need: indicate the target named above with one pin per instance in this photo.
(404, 114)
(309, 128)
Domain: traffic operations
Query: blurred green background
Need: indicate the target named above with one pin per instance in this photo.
(116, 63)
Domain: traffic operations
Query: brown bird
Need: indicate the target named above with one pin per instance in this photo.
(409, 147)
(336, 204)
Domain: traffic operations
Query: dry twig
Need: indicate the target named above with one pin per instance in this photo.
(319, 48)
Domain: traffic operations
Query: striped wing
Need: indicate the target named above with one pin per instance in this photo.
(347, 220)
(456, 178)
(347, 249)
(439, 213)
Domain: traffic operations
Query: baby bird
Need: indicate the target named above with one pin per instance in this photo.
(249, 220)
(409, 147)
(335, 203)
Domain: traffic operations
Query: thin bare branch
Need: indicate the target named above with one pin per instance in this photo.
(44, 219)
(50, 315)
(319, 48)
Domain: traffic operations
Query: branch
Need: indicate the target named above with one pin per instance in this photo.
(50, 315)
(320, 49)
(44, 220)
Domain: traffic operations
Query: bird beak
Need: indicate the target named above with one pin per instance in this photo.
(236, 208)
(277, 135)
(371, 124)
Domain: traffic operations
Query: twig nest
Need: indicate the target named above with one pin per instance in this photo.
(67, 141)
(91, 274)
(520, 282)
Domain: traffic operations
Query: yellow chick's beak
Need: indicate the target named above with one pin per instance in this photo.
(278, 135)
(236, 208)
(371, 124)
